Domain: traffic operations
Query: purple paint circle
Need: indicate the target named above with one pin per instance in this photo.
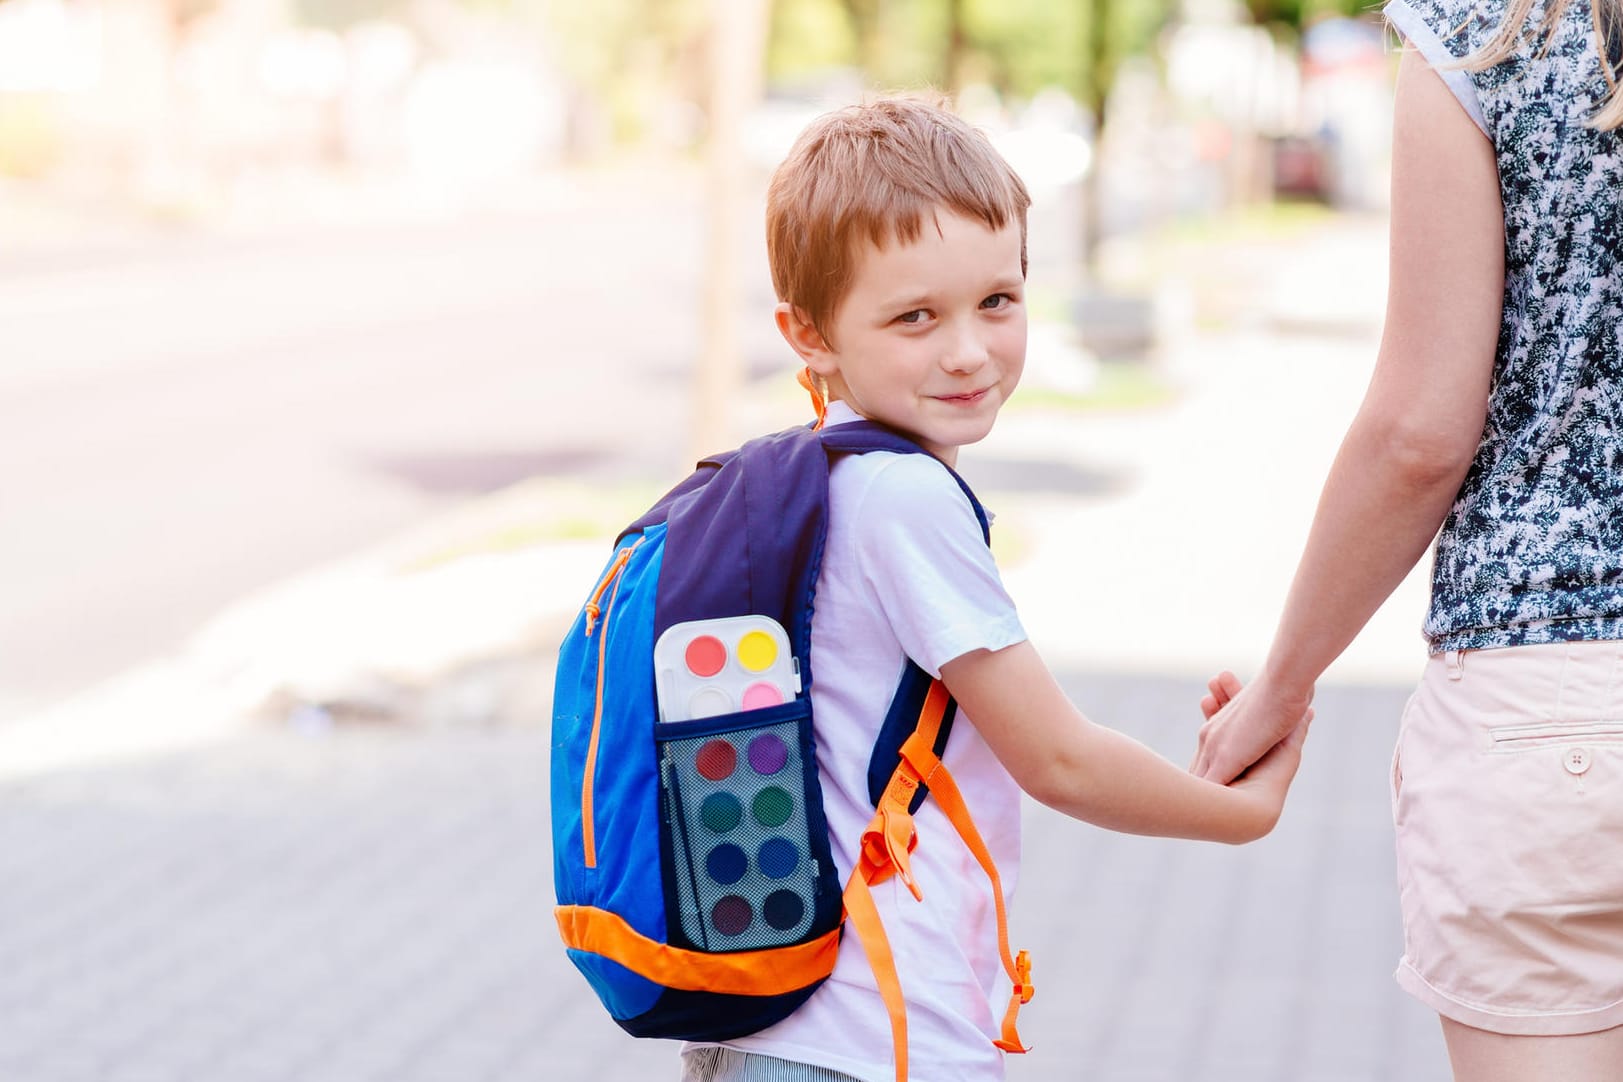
(768, 754)
(731, 915)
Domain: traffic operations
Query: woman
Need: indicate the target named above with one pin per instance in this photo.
(1496, 413)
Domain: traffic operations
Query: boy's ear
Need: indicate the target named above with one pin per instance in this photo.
(805, 339)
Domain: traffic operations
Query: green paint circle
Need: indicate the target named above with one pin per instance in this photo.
(773, 806)
(720, 812)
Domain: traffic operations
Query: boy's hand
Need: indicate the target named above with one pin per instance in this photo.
(1269, 778)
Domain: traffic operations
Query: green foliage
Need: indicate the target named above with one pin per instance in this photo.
(807, 37)
(1017, 46)
(631, 52)
(1297, 14)
(1022, 46)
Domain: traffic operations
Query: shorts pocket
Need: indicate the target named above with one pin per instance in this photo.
(1395, 788)
(1510, 739)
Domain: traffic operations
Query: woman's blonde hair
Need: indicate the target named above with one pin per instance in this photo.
(1608, 18)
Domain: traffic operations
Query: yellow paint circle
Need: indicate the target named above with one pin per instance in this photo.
(757, 651)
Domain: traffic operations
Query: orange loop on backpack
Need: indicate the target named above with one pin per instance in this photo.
(819, 403)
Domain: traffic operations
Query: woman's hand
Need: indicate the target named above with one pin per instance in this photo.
(1245, 724)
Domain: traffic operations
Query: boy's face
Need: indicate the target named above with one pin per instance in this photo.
(931, 337)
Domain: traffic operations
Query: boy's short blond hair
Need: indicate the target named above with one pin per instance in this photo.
(872, 173)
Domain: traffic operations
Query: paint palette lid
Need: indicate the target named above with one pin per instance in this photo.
(706, 668)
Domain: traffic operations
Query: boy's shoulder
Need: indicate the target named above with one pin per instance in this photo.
(889, 482)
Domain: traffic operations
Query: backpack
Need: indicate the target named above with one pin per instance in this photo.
(696, 888)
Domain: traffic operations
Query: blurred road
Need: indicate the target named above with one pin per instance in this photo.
(185, 418)
(374, 905)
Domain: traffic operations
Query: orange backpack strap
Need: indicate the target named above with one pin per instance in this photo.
(917, 754)
(887, 845)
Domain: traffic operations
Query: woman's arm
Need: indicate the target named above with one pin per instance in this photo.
(1412, 441)
(1097, 774)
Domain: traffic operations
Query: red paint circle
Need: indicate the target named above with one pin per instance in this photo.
(732, 915)
(716, 760)
(705, 656)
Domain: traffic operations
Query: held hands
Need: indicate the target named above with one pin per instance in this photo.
(1252, 734)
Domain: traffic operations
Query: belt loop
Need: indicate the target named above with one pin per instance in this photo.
(1455, 660)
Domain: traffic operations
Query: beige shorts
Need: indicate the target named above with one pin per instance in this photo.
(1507, 793)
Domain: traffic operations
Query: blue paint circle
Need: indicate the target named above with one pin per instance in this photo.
(779, 858)
(726, 864)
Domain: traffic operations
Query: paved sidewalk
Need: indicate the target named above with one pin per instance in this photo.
(366, 904)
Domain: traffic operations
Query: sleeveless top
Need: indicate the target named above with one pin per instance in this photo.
(1532, 550)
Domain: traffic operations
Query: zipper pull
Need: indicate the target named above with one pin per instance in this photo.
(593, 611)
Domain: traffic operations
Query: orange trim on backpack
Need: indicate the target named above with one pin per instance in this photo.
(588, 829)
(745, 973)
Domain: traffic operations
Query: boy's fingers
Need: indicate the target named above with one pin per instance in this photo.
(1209, 705)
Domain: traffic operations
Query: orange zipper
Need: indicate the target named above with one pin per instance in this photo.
(610, 578)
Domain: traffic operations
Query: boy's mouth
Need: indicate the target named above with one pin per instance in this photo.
(969, 398)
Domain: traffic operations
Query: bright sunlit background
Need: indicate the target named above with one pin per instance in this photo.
(283, 278)
(338, 338)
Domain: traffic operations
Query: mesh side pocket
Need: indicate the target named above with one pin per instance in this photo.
(738, 817)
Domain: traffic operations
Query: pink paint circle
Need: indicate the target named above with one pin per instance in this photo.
(716, 760)
(705, 656)
(760, 695)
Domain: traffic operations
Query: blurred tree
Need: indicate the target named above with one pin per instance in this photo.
(341, 14)
(1294, 15)
(635, 57)
(735, 53)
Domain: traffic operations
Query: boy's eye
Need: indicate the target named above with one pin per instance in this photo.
(997, 300)
(917, 315)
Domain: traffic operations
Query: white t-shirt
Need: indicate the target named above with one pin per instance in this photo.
(906, 573)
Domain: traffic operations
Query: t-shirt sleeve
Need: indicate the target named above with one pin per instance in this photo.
(928, 566)
(1437, 29)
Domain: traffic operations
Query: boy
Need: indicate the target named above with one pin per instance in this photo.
(896, 236)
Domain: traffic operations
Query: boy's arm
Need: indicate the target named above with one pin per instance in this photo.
(1102, 776)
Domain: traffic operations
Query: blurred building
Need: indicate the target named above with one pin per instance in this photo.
(191, 103)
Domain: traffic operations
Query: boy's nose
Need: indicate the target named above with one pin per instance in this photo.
(966, 352)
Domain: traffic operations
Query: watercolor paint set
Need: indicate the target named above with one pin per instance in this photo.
(734, 738)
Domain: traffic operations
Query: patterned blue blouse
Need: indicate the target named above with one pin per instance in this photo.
(1532, 551)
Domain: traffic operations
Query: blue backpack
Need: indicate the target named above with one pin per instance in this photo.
(696, 887)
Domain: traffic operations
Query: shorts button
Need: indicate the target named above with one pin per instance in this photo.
(1576, 760)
